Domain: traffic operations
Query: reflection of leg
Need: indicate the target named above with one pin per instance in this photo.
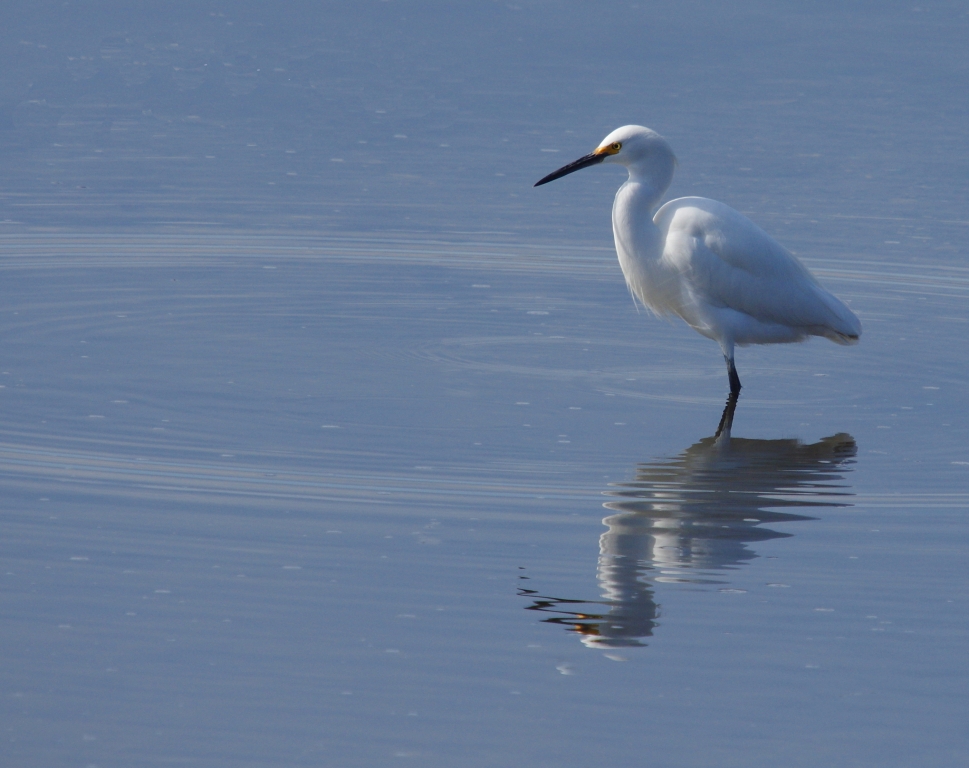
(726, 420)
(732, 375)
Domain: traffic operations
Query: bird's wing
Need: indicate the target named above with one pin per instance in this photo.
(728, 261)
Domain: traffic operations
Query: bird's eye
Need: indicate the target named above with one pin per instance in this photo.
(615, 146)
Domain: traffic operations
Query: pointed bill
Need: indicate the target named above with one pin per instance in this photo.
(593, 158)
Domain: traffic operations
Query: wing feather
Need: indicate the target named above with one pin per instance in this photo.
(727, 261)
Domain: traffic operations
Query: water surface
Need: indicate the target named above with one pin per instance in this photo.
(326, 440)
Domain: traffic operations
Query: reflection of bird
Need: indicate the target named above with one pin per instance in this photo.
(705, 262)
(690, 518)
(703, 506)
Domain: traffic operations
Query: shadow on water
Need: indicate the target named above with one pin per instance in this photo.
(691, 519)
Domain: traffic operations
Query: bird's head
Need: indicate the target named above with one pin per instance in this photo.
(646, 154)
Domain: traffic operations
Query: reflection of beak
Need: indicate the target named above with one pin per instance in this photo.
(593, 158)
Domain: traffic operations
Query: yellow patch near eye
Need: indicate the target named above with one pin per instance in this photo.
(609, 149)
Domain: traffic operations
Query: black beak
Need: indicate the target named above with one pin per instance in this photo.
(578, 165)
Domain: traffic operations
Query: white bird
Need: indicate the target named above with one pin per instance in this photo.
(706, 263)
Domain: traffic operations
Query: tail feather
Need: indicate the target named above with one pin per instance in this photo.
(843, 338)
(843, 326)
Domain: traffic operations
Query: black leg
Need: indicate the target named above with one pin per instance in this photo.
(732, 375)
(726, 420)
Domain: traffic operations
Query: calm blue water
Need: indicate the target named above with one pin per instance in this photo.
(327, 440)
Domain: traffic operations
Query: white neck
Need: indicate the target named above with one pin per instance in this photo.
(634, 230)
(639, 245)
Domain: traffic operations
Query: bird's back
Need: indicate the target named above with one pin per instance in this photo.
(737, 280)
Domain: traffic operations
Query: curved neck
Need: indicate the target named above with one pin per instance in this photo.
(632, 222)
(636, 202)
(649, 190)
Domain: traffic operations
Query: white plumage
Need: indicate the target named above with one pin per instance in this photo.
(703, 261)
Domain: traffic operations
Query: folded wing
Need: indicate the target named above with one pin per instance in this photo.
(728, 262)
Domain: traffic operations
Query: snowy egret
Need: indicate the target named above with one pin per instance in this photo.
(706, 263)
